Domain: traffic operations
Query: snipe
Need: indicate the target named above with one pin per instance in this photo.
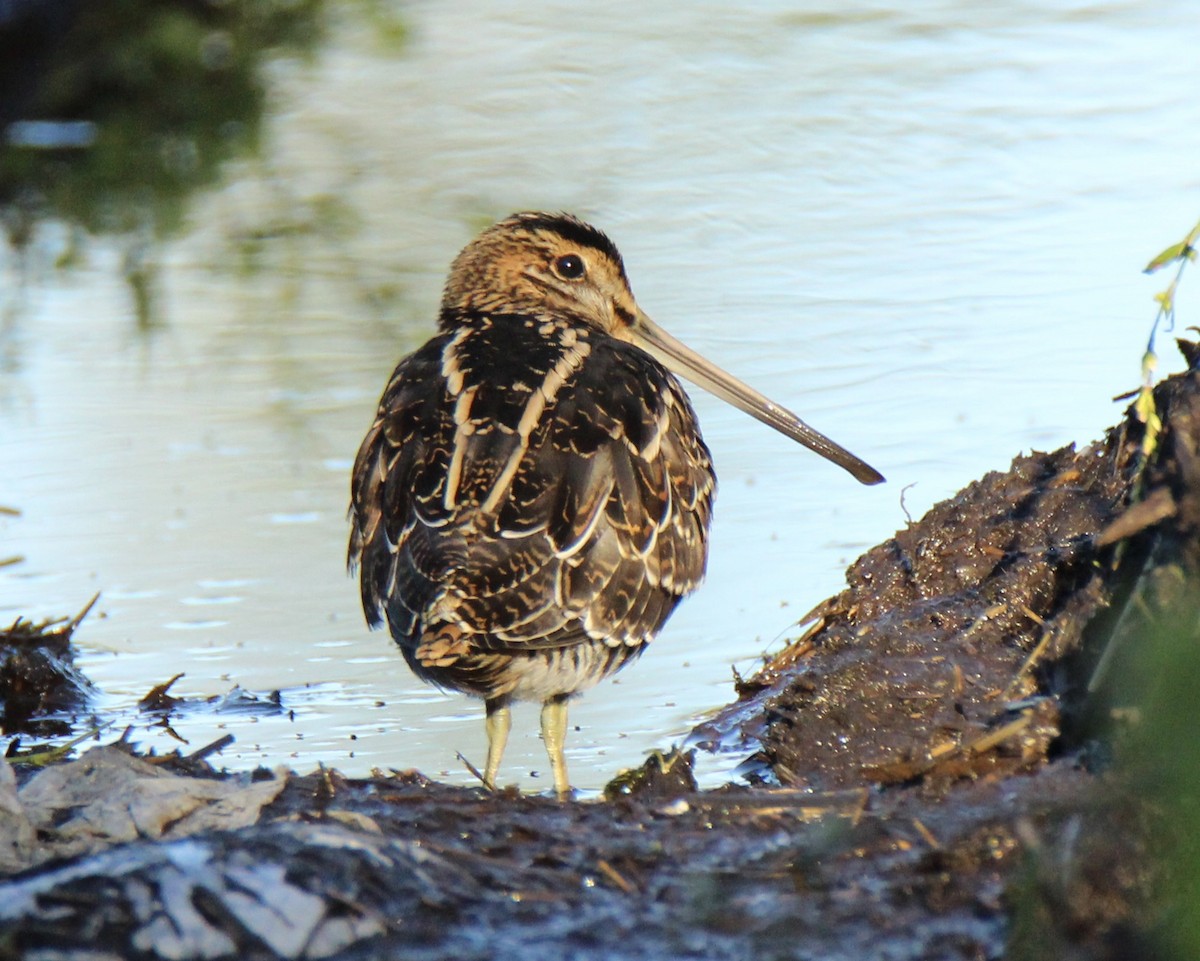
(533, 498)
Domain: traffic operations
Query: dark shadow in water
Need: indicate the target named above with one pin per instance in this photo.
(112, 112)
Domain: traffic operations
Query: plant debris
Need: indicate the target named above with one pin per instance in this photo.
(932, 780)
(40, 688)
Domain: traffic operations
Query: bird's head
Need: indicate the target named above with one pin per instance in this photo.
(543, 264)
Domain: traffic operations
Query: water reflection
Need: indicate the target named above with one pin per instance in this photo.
(117, 111)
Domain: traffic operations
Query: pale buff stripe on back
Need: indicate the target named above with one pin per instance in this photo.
(535, 407)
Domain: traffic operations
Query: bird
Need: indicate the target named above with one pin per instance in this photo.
(533, 497)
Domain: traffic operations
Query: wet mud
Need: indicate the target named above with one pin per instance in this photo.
(42, 693)
(962, 756)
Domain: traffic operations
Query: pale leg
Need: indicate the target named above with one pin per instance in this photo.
(554, 734)
(497, 722)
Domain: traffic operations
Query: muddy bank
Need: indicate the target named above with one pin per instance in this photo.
(401, 867)
(941, 658)
(934, 778)
(42, 693)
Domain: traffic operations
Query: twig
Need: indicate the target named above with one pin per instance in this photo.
(1002, 733)
(78, 618)
(613, 875)
(1027, 665)
(474, 770)
(209, 749)
(42, 758)
(926, 834)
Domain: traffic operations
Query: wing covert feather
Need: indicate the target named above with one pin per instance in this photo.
(598, 515)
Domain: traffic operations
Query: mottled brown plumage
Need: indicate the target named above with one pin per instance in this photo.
(534, 496)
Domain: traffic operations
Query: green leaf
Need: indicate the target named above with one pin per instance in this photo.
(1170, 255)
(1145, 410)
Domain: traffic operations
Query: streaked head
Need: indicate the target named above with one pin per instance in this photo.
(542, 263)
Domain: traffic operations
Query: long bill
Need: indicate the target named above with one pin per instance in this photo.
(684, 361)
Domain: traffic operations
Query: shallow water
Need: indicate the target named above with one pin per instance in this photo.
(922, 231)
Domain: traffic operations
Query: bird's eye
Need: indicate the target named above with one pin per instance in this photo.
(569, 266)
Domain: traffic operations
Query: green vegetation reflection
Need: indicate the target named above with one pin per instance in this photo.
(120, 109)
